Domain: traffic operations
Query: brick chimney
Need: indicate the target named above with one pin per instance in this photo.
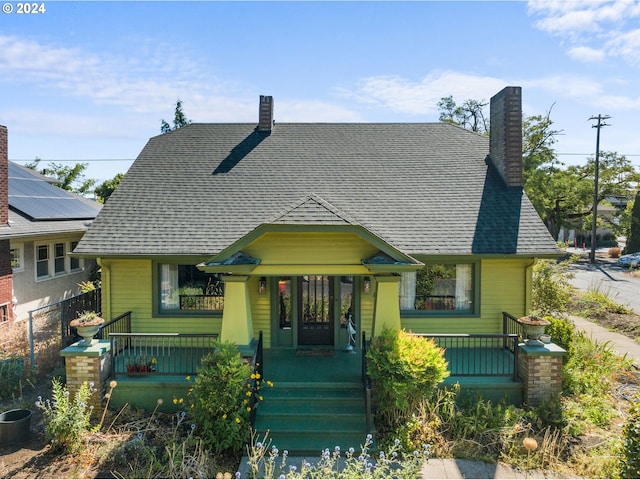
(6, 274)
(265, 113)
(505, 146)
(4, 177)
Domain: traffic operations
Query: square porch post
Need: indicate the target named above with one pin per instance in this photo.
(237, 324)
(387, 304)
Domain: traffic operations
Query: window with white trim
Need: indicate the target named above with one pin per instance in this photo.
(17, 257)
(42, 261)
(439, 288)
(52, 260)
(59, 259)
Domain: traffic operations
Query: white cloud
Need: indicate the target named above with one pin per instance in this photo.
(595, 29)
(586, 54)
(421, 97)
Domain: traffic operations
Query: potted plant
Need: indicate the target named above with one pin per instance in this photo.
(533, 327)
(87, 325)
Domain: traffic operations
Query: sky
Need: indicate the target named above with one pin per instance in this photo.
(91, 81)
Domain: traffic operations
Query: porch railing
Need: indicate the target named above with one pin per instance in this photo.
(510, 325)
(479, 355)
(366, 383)
(137, 354)
(120, 324)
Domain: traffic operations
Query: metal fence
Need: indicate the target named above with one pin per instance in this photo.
(49, 330)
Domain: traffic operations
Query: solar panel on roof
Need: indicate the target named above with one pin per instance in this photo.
(40, 200)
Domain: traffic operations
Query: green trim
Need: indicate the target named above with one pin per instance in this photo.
(156, 311)
(477, 284)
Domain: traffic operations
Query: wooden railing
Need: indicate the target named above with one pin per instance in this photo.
(479, 355)
(137, 354)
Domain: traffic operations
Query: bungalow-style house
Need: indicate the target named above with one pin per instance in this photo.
(40, 224)
(302, 233)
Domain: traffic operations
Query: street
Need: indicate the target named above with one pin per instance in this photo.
(608, 277)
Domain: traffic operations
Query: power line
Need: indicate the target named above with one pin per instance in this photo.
(87, 160)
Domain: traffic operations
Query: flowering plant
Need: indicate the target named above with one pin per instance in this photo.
(87, 318)
(67, 419)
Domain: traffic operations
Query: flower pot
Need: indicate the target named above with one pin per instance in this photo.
(87, 333)
(533, 327)
(545, 338)
(15, 426)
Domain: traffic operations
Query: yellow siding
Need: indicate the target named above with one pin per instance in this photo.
(260, 311)
(310, 253)
(131, 287)
(502, 288)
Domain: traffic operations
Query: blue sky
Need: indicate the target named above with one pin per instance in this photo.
(90, 81)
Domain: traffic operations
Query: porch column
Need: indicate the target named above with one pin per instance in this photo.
(540, 369)
(237, 325)
(91, 364)
(387, 304)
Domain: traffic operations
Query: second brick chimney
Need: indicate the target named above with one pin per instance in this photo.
(505, 146)
(4, 176)
(265, 113)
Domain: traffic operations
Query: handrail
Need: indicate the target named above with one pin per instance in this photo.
(479, 354)
(366, 383)
(510, 325)
(120, 324)
(259, 369)
(136, 354)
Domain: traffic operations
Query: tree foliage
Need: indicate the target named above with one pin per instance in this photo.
(633, 235)
(179, 120)
(469, 115)
(562, 195)
(104, 190)
(70, 178)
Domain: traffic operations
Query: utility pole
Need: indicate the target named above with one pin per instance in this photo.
(599, 125)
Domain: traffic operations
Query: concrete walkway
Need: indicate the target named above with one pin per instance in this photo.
(622, 344)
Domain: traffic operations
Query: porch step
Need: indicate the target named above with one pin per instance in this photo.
(305, 417)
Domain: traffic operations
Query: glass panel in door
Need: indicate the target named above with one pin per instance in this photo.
(315, 310)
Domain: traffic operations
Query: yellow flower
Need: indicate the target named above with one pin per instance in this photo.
(257, 375)
(188, 378)
(260, 397)
(175, 401)
(253, 375)
(224, 417)
(248, 393)
(238, 420)
(245, 402)
(248, 409)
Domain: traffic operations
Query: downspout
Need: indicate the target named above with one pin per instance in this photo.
(105, 276)
(528, 286)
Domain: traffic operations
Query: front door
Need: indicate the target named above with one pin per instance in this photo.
(315, 310)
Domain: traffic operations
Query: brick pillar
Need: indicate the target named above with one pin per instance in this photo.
(88, 364)
(540, 369)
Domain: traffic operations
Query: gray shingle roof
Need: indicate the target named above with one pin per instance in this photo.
(424, 188)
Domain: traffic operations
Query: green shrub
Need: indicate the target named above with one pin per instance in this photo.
(67, 419)
(221, 399)
(630, 461)
(11, 375)
(404, 370)
(552, 288)
(562, 334)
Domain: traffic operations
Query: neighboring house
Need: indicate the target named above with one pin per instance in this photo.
(40, 224)
(292, 228)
